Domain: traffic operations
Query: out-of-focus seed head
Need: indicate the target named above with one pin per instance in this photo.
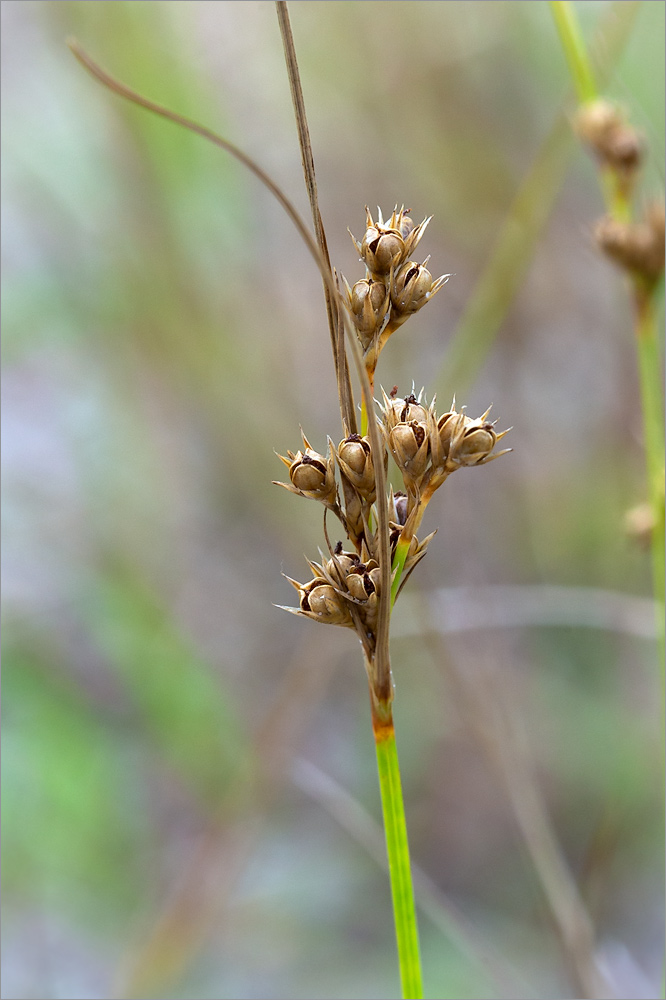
(637, 247)
(640, 524)
(603, 126)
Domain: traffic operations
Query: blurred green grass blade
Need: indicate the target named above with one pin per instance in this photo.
(69, 820)
(181, 701)
(504, 273)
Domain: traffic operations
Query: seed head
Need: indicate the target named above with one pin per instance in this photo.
(354, 456)
(321, 602)
(387, 245)
(396, 411)
(637, 247)
(369, 303)
(469, 442)
(410, 446)
(411, 287)
(311, 475)
(604, 128)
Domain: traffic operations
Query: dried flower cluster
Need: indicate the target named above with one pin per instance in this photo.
(425, 447)
(636, 246)
(394, 287)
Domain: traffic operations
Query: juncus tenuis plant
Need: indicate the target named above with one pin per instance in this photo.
(369, 528)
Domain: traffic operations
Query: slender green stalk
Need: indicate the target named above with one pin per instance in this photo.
(397, 849)
(648, 351)
(574, 49)
(649, 366)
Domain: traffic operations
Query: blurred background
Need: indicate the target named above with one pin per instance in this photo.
(190, 790)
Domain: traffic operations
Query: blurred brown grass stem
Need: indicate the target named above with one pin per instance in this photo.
(491, 715)
(430, 899)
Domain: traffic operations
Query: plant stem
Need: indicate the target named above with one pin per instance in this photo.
(574, 49)
(649, 370)
(618, 206)
(397, 849)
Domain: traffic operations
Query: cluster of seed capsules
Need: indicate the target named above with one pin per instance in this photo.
(636, 245)
(394, 287)
(425, 447)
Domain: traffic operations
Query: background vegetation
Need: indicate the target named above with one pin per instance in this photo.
(189, 775)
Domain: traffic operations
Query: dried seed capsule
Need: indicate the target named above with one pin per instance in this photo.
(324, 602)
(369, 303)
(382, 249)
(387, 245)
(637, 247)
(339, 566)
(355, 459)
(356, 585)
(447, 426)
(312, 475)
(412, 286)
(473, 441)
(604, 128)
(400, 506)
(321, 602)
(402, 411)
(410, 448)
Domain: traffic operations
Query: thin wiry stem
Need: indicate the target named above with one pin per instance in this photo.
(122, 90)
(381, 682)
(337, 339)
(574, 47)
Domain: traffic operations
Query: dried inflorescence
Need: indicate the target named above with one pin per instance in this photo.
(424, 446)
(637, 246)
(426, 449)
(394, 286)
(614, 141)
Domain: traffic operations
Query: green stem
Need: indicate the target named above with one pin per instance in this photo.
(649, 371)
(618, 206)
(574, 49)
(397, 849)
